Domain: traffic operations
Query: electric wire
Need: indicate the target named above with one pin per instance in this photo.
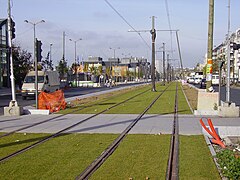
(111, 6)
(169, 24)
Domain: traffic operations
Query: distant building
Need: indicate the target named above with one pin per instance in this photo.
(220, 55)
(131, 68)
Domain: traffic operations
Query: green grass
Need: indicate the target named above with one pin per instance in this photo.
(141, 156)
(100, 105)
(165, 104)
(195, 159)
(138, 157)
(63, 157)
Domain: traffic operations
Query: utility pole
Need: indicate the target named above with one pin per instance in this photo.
(75, 57)
(228, 57)
(35, 57)
(210, 45)
(11, 55)
(180, 55)
(13, 109)
(153, 32)
(164, 69)
(168, 69)
(114, 58)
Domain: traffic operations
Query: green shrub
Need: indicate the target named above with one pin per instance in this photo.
(229, 164)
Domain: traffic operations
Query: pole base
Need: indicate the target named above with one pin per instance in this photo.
(13, 109)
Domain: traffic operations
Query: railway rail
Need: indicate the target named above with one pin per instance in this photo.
(61, 131)
(103, 157)
(172, 168)
(45, 121)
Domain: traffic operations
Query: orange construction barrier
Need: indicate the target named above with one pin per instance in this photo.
(216, 139)
(52, 101)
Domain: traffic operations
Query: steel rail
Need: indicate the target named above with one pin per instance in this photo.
(64, 130)
(42, 122)
(102, 158)
(172, 168)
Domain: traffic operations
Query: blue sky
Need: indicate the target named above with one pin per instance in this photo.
(100, 27)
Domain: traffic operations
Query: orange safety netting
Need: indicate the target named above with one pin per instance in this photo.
(52, 101)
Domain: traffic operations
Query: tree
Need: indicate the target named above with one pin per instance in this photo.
(215, 66)
(108, 71)
(85, 68)
(21, 64)
(99, 70)
(62, 68)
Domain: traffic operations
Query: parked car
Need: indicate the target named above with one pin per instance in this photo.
(203, 83)
(48, 81)
(190, 80)
(215, 79)
(197, 80)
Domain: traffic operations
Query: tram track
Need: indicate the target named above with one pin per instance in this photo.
(103, 157)
(63, 130)
(48, 120)
(172, 168)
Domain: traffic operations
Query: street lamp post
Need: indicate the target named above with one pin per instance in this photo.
(35, 57)
(75, 57)
(114, 56)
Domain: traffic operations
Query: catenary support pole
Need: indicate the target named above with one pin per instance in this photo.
(210, 45)
(180, 55)
(10, 55)
(153, 32)
(228, 57)
(164, 69)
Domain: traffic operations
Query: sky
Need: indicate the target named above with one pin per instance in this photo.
(101, 28)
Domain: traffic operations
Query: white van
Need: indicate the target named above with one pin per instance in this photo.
(48, 81)
(215, 79)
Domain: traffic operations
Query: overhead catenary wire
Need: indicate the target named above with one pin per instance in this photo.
(115, 10)
(169, 24)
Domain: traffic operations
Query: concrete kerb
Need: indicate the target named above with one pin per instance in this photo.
(187, 100)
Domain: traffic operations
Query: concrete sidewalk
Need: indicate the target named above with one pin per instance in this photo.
(111, 123)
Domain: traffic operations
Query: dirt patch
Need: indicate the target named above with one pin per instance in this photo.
(192, 96)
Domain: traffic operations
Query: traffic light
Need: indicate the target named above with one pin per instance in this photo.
(13, 29)
(38, 47)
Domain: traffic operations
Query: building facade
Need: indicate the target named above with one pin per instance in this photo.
(4, 62)
(220, 56)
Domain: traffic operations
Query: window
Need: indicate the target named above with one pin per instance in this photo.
(31, 79)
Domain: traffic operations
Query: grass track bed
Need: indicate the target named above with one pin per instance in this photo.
(138, 157)
(195, 160)
(141, 156)
(165, 104)
(63, 157)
